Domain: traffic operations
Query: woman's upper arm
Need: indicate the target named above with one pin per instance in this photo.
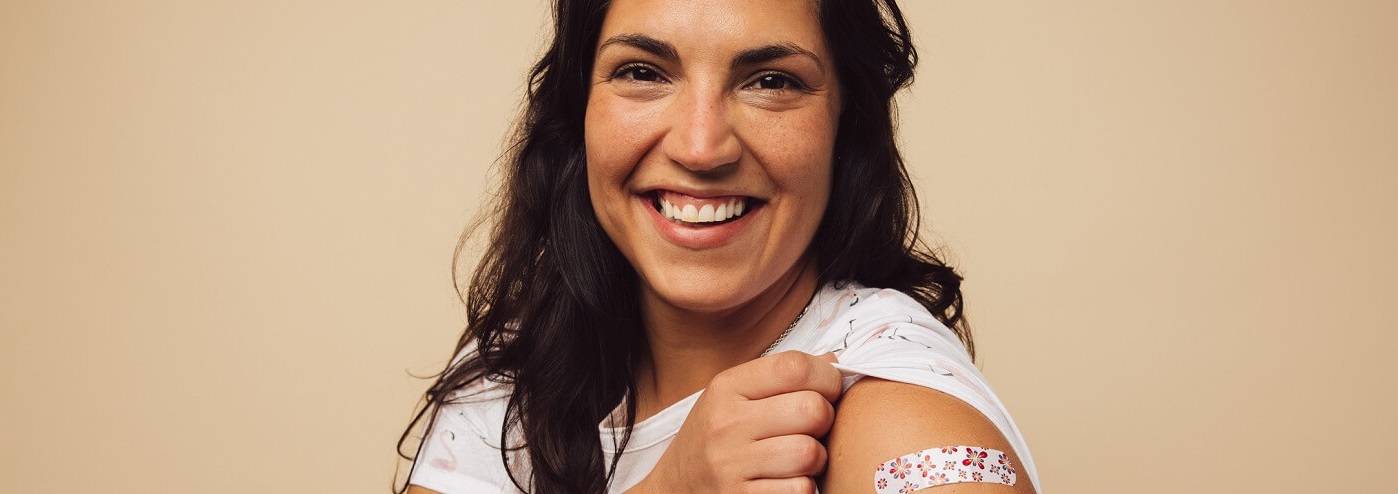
(879, 421)
(417, 489)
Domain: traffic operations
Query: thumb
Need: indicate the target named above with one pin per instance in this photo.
(830, 357)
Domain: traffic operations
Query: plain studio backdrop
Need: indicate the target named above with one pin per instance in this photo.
(226, 230)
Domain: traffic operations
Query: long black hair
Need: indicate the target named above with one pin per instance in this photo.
(552, 307)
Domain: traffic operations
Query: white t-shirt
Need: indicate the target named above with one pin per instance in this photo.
(874, 332)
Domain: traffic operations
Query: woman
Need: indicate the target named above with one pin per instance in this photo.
(701, 196)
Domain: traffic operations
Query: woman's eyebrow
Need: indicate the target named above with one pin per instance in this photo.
(747, 58)
(758, 56)
(644, 43)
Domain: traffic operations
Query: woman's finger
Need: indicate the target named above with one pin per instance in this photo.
(799, 412)
(780, 457)
(792, 485)
(780, 373)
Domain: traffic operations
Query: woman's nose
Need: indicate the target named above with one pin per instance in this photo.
(701, 136)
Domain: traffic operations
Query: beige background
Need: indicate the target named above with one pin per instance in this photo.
(225, 232)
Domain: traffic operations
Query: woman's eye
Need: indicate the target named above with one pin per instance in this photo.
(775, 81)
(638, 73)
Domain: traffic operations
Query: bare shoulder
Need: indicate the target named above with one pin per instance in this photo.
(878, 421)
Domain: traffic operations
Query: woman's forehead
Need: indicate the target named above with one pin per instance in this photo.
(718, 24)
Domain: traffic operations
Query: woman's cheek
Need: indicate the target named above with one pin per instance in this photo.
(790, 149)
(617, 132)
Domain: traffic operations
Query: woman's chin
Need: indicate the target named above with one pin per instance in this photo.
(713, 291)
(701, 295)
(698, 303)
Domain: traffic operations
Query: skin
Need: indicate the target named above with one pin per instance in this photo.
(680, 103)
(877, 421)
(694, 117)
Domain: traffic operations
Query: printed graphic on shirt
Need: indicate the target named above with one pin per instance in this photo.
(940, 466)
(445, 438)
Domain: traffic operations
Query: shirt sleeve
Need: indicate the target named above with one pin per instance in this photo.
(888, 335)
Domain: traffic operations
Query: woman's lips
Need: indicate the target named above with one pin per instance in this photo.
(698, 211)
(716, 220)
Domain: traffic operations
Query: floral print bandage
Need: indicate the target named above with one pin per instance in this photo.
(939, 466)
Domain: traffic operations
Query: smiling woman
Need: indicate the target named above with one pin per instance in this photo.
(707, 117)
(704, 274)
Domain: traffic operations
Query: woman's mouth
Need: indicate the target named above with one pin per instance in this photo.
(700, 211)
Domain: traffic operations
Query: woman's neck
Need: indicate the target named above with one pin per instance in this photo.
(688, 348)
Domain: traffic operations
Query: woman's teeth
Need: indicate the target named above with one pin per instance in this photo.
(708, 212)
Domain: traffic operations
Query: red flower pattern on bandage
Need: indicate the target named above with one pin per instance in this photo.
(899, 468)
(939, 466)
(974, 458)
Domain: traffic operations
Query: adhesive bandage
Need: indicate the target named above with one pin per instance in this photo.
(939, 466)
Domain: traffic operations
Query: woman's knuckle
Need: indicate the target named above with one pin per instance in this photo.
(720, 427)
(824, 411)
(802, 485)
(809, 406)
(721, 382)
(791, 367)
(810, 453)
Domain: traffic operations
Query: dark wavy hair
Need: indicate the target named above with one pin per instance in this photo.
(552, 307)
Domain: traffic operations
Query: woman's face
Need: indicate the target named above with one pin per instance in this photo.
(710, 128)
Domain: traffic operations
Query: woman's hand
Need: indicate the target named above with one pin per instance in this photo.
(756, 428)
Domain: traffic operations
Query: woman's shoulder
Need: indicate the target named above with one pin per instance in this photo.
(852, 320)
(902, 436)
(887, 335)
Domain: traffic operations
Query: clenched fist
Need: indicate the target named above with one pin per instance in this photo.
(755, 429)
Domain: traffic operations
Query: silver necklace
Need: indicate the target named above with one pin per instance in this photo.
(787, 332)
